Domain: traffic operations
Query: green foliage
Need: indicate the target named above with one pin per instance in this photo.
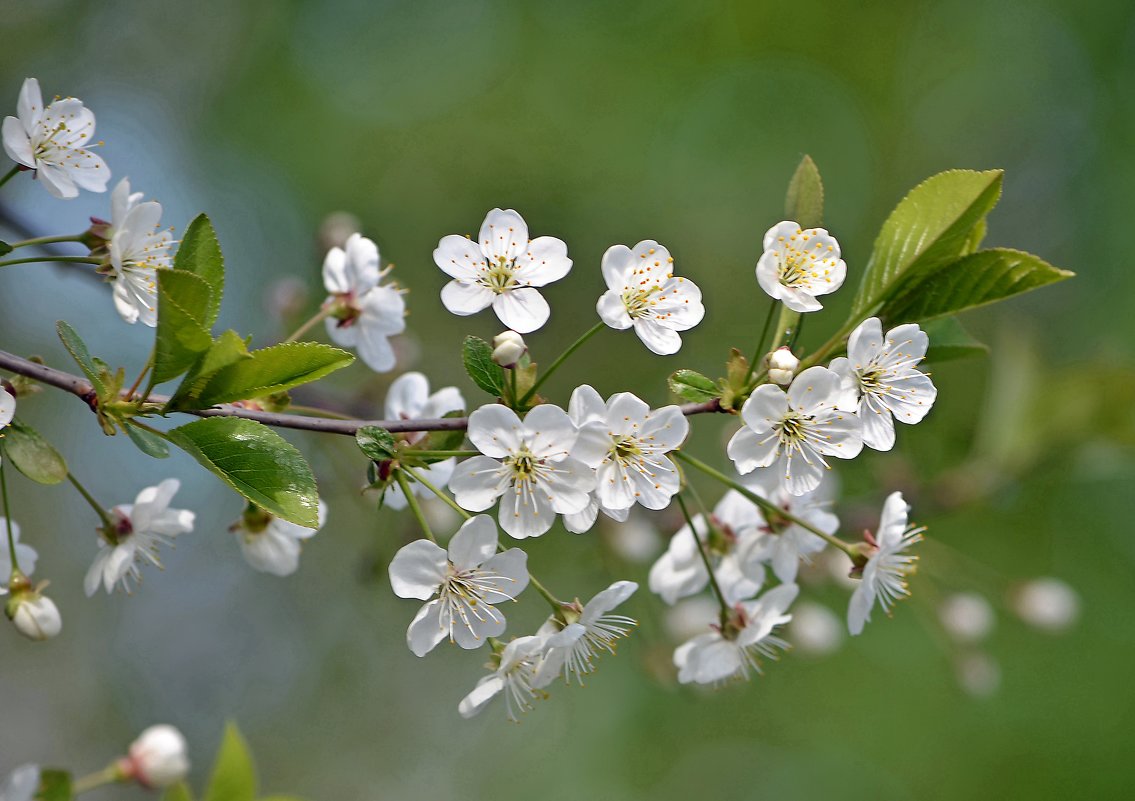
(234, 777)
(477, 355)
(377, 443)
(692, 386)
(149, 443)
(273, 369)
(950, 341)
(178, 792)
(200, 254)
(974, 280)
(32, 455)
(54, 785)
(804, 202)
(184, 300)
(256, 462)
(78, 350)
(226, 350)
(938, 221)
(5, 248)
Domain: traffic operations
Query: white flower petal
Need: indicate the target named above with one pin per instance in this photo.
(522, 309)
(463, 298)
(477, 482)
(473, 543)
(417, 570)
(425, 630)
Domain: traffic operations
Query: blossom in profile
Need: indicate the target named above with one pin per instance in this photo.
(784, 544)
(572, 649)
(139, 529)
(798, 264)
(462, 585)
(362, 313)
(137, 250)
(513, 675)
(879, 380)
(271, 544)
(503, 269)
(885, 574)
(643, 293)
(7, 407)
(409, 398)
(26, 555)
(53, 141)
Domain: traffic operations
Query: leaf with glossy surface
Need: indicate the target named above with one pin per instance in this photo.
(804, 202)
(377, 443)
(78, 350)
(274, 369)
(200, 253)
(226, 350)
(182, 330)
(256, 462)
(693, 386)
(32, 455)
(234, 776)
(933, 225)
(477, 354)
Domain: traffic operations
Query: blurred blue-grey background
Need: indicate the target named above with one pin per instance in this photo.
(601, 123)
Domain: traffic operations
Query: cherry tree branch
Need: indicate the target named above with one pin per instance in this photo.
(81, 388)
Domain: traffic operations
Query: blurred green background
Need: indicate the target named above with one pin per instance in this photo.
(601, 123)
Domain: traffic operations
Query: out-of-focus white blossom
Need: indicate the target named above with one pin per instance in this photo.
(1048, 604)
(158, 758)
(967, 617)
(814, 629)
(364, 314)
(409, 398)
(21, 784)
(271, 544)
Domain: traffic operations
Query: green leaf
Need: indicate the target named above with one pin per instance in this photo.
(200, 254)
(933, 225)
(478, 357)
(377, 443)
(693, 386)
(804, 202)
(178, 792)
(273, 369)
(975, 280)
(226, 350)
(949, 341)
(234, 777)
(256, 462)
(5, 248)
(32, 455)
(147, 442)
(443, 440)
(78, 350)
(54, 785)
(183, 331)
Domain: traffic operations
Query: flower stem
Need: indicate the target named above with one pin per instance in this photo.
(108, 775)
(764, 503)
(46, 240)
(760, 351)
(705, 559)
(65, 259)
(414, 507)
(414, 474)
(555, 602)
(145, 369)
(8, 175)
(572, 348)
(311, 323)
(8, 518)
(102, 513)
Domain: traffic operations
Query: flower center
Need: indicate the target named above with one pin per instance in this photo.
(524, 466)
(793, 428)
(499, 277)
(626, 449)
(638, 301)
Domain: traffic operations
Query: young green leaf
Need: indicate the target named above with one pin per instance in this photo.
(200, 253)
(377, 443)
(934, 224)
(478, 357)
(182, 331)
(32, 455)
(5, 248)
(54, 785)
(234, 776)
(804, 202)
(693, 386)
(950, 341)
(226, 350)
(975, 280)
(273, 369)
(78, 350)
(148, 443)
(178, 792)
(256, 462)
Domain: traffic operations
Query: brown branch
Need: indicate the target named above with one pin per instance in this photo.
(82, 389)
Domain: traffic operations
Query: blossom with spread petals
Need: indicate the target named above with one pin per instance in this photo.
(570, 650)
(513, 676)
(784, 544)
(795, 430)
(528, 463)
(409, 398)
(798, 264)
(462, 584)
(643, 293)
(139, 529)
(879, 380)
(25, 554)
(884, 575)
(21, 785)
(52, 142)
(137, 250)
(502, 269)
(271, 544)
(363, 314)
(735, 650)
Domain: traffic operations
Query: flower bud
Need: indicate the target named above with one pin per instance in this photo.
(508, 348)
(35, 616)
(782, 366)
(158, 758)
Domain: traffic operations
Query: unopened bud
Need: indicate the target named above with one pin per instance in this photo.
(158, 758)
(35, 616)
(1048, 604)
(782, 366)
(508, 348)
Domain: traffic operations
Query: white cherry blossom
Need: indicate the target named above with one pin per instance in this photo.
(626, 443)
(158, 758)
(798, 264)
(271, 544)
(513, 676)
(643, 293)
(502, 269)
(140, 528)
(409, 398)
(462, 584)
(25, 554)
(52, 141)
(137, 249)
(7, 407)
(570, 651)
(748, 636)
(884, 575)
(795, 430)
(528, 463)
(21, 785)
(785, 544)
(364, 313)
(879, 380)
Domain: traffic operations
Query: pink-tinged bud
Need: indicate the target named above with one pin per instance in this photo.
(158, 758)
(35, 616)
(782, 366)
(508, 348)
